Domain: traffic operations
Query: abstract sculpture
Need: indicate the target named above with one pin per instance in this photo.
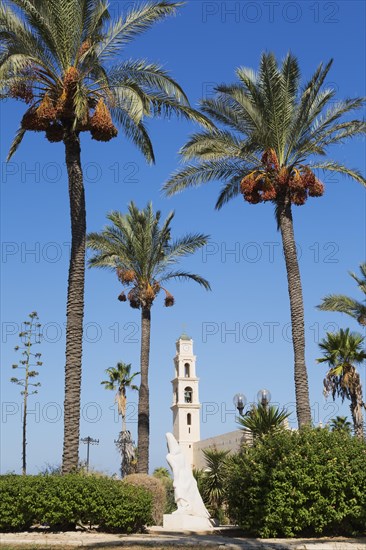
(191, 513)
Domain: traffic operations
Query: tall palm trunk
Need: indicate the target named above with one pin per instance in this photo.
(75, 304)
(123, 434)
(143, 427)
(284, 217)
(357, 406)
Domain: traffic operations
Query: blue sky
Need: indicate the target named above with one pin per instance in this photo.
(241, 328)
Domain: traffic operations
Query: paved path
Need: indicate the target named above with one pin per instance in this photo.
(95, 540)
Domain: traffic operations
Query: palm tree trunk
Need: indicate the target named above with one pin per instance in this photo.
(123, 461)
(75, 304)
(285, 222)
(143, 427)
(357, 407)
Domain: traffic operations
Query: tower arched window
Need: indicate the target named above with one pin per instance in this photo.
(187, 370)
(188, 392)
(189, 419)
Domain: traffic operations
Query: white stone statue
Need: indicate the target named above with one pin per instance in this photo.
(187, 496)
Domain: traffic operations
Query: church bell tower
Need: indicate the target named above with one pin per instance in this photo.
(186, 405)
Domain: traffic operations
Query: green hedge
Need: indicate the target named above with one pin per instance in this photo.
(304, 483)
(64, 501)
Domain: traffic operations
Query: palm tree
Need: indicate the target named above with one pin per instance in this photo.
(261, 420)
(272, 129)
(120, 378)
(142, 254)
(162, 473)
(342, 351)
(62, 59)
(344, 304)
(214, 477)
(341, 424)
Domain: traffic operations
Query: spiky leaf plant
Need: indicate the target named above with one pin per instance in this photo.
(261, 420)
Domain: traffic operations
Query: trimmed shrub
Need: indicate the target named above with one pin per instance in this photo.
(165, 477)
(156, 488)
(306, 483)
(62, 502)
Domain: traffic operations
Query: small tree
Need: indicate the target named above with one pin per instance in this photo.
(341, 424)
(213, 481)
(29, 337)
(261, 420)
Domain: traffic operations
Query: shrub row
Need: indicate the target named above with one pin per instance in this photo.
(306, 483)
(62, 502)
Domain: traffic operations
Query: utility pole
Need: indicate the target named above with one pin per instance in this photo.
(88, 441)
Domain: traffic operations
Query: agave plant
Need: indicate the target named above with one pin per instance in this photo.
(263, 419)
(63, 60)
(270, 133)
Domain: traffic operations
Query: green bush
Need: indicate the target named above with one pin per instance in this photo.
(304, 483)
(64, 501)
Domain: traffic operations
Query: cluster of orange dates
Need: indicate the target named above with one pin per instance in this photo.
(273, 182)
(56, 111)
(135, 296)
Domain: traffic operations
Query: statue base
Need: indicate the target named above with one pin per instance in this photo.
(184, 522)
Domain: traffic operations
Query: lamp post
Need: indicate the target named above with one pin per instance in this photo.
(88, 441)
(263, 396)
(240, 401)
